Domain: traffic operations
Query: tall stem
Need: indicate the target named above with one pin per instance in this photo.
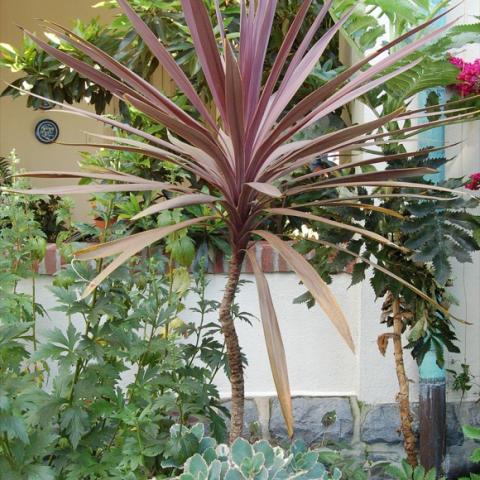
(34, 312)
(404, 393)
(80, 363)
(8, 452)
(233, 348)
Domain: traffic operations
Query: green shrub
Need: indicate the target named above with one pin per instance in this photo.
(474, 434)
(95, 398)
(407, 472)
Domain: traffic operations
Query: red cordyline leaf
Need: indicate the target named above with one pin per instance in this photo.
(127, 247)
(176, 202)
(273, 339)
(299, 69)
(359, 163)
(198, 21)
(245, 146)
(234, 109)
(167, 61)
(276, 70)
(251, 147)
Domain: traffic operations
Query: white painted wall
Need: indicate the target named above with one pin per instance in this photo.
(467, 277)
(319, 362)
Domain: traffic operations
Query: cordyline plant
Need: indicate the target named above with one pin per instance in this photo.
(245, 149)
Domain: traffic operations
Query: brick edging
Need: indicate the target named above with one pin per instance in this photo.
(267, 257)
(52, 262)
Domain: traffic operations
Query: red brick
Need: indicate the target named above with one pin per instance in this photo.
(247, 266)
(267, 258)
(218, 266)
(283, 266)
(51, 259)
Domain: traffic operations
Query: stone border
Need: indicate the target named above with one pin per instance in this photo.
(369, 433)
(267, 257)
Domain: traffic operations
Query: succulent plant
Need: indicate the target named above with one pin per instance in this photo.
(245, 461)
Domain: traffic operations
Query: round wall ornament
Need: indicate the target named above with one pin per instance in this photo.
(47, 131)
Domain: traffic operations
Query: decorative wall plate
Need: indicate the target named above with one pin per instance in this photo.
(47, 131)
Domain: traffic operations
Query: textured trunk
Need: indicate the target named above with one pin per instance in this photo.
(404, 394)
(233, 348)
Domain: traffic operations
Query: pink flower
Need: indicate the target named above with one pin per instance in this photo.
(468, 78)
(474, 183)
(458, 62)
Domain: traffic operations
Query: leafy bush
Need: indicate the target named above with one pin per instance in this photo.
(407, 472)
(25, 446)
(474, 434)
(22, 246)
(97, 398)
(48, 216)
(242, 461)
(87, 425)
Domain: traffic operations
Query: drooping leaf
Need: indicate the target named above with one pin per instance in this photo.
(177, 202)
(126, 248)
(313, 282)
(274, 342)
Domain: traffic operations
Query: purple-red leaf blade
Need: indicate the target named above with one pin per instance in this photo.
(313, 282)
(274, 342)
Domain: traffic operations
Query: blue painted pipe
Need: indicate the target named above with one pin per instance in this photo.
(436, 136)
(432, 408)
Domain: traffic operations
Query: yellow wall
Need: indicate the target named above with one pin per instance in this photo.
(17, 122)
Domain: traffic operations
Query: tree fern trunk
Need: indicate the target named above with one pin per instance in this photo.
(233, 348)
(404, 393)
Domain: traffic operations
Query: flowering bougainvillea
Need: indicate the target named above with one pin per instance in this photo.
(468, 78)
(474, 183)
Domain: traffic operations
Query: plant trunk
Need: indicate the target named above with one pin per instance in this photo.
(404, 393)
(233, 348)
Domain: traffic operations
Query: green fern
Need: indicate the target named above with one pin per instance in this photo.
(428, 74)
(439, 231)
(457, 37)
